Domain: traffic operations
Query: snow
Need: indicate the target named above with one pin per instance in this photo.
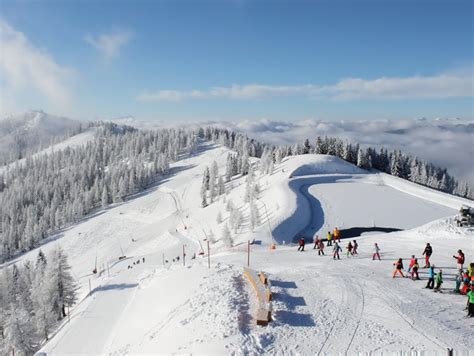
(320, 305)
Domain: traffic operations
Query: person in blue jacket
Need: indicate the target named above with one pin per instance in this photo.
(431, 277)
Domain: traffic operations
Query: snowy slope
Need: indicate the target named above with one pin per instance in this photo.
(320, 305)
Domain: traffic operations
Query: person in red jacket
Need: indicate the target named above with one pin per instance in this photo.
(460, 259)
(412, 262)
(301, 244)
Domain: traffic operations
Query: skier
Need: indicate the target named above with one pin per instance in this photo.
(301, 243)
(439, 280)
(465, 285)
(316, 243)
(459, 279)
(414, 272)
(354, 248)
(376, 252)
(470, 269)
(427, 252)
(349, 249)
(336, 234)
(412, 262)
(431, 276)
(329, 238)
(470, 302)
(459, 259)
(398, 268)
(321, 248)
(336, 251)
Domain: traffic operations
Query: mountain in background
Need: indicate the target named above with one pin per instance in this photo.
(24, 134)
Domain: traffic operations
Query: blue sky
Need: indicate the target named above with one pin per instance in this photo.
(287, 60)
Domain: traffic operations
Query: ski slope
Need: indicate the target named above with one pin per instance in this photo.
(321, 305)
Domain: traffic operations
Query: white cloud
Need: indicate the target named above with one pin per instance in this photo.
(447, 85)
(27, 72)
(109, 44)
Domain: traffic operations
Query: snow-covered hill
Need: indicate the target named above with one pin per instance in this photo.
(26, 133)
(162, 305)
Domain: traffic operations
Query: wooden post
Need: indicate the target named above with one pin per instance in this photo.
(184, 257)
(248, 253)
(208, 255)
(90, 289)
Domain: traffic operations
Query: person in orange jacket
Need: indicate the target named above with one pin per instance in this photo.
(414, 271)
(337, 235)
(398, 268)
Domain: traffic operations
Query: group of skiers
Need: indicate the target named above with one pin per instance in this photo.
(435, 279)
(336, 248)
(464, 278)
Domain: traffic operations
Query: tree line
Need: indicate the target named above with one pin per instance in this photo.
(33, 299)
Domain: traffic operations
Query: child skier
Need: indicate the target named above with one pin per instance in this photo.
(301, 244)
(460, 259)
(431, 276)
(459, 279)
(321, 248)
(316, 243)
(349, 249)
(336, 251)
(354, 248)
(412, 262)
(470, 302)
(329, 238)
(427, 252)
(376, 252)
(414, 271)
(439, 280)
(398, 268)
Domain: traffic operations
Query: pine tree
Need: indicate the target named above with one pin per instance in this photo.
(221, 186)
(227, 236)
(203, 194)
(61, 284)
(105, 198)
(306, 147)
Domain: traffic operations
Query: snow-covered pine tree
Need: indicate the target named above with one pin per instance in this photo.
(229, 168)
(60, 282)
(363, 159)
(203, 193)
(254, 215)
(306, 147)
(227, 236)
(221, 186)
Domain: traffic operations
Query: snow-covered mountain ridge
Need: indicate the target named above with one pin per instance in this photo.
(27, 133)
